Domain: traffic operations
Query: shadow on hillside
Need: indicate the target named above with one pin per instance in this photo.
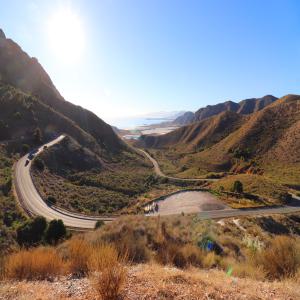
(293, 202)
(270, 225)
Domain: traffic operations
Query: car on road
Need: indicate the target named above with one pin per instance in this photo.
(26, 163)
(32, 153)
(45, 147)
(30, 156)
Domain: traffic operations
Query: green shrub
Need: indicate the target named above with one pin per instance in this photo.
(37, 135)
(6, 188)
(99, 224)
(238, 187)
(221, 189)
(8, 219)
(31, 232)
(151, 180)
(39, 164)
(17, 115)
(25, 148)
(242, 153)
(55, 231)
(51, 200)
(285, 197)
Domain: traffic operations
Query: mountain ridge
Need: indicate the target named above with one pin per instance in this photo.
(235, 142)
(245, 107)
(26, 73)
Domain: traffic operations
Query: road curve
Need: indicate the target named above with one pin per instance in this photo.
(159, 172)
(227, 213)
(33, 204)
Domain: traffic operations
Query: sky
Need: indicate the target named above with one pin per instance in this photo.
(122, 58)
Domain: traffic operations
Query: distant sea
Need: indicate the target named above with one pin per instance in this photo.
(132, 123)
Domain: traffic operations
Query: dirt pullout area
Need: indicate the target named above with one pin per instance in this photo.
(156, 282)
(189, 202)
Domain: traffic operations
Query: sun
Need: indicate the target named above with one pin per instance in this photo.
(66, 35)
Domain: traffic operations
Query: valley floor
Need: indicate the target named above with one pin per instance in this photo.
(157, 282)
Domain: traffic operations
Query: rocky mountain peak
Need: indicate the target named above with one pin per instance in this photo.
(2, 34)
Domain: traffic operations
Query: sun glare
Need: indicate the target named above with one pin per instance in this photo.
(66, 35)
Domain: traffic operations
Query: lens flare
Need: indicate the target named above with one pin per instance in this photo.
(66, 35)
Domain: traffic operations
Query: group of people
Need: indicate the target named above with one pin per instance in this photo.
(151, 208)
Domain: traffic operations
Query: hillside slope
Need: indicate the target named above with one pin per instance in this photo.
(165, 258)
(197, 135)
(21, 115)
(185, 119)
(93, 171)
(243, 107)
(267, 140)
(25, 73)
(263, 134)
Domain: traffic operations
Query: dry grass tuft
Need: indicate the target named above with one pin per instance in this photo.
(36, 264)
(110, 282)
(180, 256)
(133, 244)
(102, 257)
(211, 260)
(78, 255)
(169, 254)
(193, 255)
(244, 269)
(281, 258)
(111, 274)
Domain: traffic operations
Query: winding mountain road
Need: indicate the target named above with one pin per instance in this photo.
(159, 172)
(33, 204)
(294, 206)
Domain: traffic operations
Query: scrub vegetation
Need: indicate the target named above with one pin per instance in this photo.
(256, 248)
(263, 143)
(83, 184)
(10, 214)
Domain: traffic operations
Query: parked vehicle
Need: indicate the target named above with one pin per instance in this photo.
(26, 163)
(32, 153)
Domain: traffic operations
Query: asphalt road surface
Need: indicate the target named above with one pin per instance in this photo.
(185, 204)
(33, 204)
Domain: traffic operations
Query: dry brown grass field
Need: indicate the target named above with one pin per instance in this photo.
(164, 258)
(153, 281)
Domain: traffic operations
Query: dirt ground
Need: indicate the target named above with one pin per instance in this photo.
(189, 202)
(156, 282)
